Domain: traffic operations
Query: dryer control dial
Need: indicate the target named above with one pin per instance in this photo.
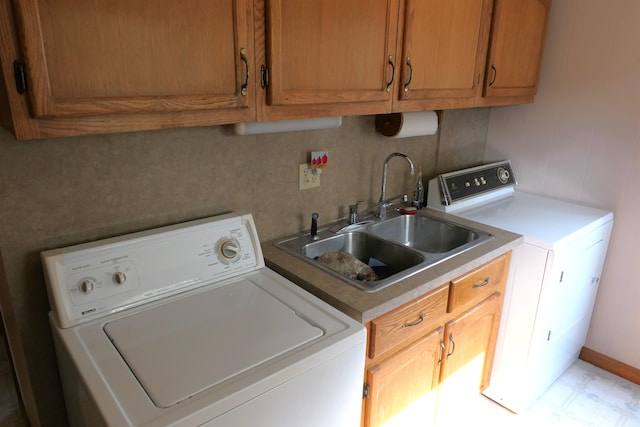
(503, 175)
(228, 250)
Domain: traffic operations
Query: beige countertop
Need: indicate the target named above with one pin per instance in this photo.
(366, 306)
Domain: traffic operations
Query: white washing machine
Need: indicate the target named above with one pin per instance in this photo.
(184, 325)
(553, 279)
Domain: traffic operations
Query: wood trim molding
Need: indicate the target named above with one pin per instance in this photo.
(16, 353)
(611, 365)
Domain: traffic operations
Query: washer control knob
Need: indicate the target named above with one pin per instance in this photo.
(229, 250)
(119, 278)
(85, 286)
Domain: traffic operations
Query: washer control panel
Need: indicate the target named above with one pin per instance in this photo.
(94, 279)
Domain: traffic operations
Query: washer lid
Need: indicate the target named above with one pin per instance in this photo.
(190, 344)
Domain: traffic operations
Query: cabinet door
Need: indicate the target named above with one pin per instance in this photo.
(444, 51)
(515, 51)
(331, 51)
(96, 57)
(470, 345)
(403, 387)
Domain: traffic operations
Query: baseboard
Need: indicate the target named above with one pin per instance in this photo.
(611, 365)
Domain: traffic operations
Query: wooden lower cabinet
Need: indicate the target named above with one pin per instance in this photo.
(403, 388)
(466, 367)
(424, 382)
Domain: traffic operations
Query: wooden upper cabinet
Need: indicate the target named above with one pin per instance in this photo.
(444, 47)
(515, 49)
(96, 57)
(102, 66)
(331, 51)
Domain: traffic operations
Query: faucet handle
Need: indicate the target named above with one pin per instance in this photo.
(314, 226)
(353, 212)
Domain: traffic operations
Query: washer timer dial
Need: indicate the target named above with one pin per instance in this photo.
(85, 286)
(228, 250)
(119, 278)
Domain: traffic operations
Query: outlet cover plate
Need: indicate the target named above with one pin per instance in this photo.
(308, 177)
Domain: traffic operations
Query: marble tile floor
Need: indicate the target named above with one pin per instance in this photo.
(584, 396)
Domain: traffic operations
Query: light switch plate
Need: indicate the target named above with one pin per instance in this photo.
(308, 177)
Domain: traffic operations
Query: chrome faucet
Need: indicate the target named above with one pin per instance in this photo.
(384, 202)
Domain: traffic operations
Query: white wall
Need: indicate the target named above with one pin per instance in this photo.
(580, 141)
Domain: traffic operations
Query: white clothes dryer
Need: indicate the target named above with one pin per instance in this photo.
(553, 277)
(184, 325)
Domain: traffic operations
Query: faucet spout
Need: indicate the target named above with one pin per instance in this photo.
(383, 192)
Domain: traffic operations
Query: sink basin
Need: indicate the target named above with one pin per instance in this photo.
(395, 248)
(388, 259)
(384, 257)
(425, 234)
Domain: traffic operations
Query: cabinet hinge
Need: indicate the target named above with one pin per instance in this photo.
(365, 391)
(19, 76)
(264, 76)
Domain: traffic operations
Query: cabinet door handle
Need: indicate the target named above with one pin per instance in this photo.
(415, 322)
(485, 282)
(20, 77)
(406, 85)
(453, 345)
(444, 350)
(495, 75)
(245, 85)
(393, 72)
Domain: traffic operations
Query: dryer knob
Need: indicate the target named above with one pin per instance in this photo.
(503, 175)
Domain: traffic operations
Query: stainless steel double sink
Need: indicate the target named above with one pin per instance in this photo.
(395, 248)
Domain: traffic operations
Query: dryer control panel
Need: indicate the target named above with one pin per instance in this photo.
(471, 182)
(94, 279)
(455, 191)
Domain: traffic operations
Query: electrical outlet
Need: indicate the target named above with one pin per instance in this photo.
(308, 178)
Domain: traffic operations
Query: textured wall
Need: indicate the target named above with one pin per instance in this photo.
(580, 141)
(65, 191)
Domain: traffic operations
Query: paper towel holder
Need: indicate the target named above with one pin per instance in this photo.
(255, 128)
(391, 124)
